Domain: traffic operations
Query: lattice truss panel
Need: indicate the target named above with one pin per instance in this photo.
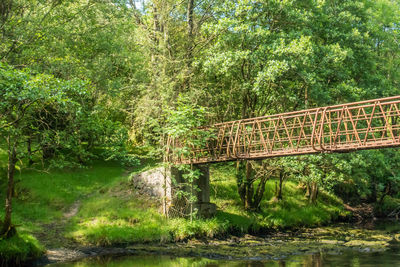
(341, 128)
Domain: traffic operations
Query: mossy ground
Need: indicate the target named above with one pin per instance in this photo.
(111, 211)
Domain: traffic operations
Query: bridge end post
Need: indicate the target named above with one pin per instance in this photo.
(164, 182)
(204, 207)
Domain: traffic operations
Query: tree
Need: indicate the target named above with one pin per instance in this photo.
(277, 56)
(251, 178)
(169, 33)
(20, 93)
(183, 127)
(78, 40)
(55, 117)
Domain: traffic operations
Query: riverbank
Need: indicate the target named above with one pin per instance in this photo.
(98, 206)
(275, 246)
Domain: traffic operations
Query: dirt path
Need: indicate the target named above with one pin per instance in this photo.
(73, 210)
(58, 247)
(52, 235)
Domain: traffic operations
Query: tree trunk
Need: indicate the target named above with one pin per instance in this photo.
(29, 150)
(279, 193)
(190, 26)
(189, 47)
(249, 187)
(8, 230)
(245, 184)
(251, 198)
(314, 193)
(259, 193)
(307, 194)
(240, 181)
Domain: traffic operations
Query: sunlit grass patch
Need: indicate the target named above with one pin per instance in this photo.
(114, 215)
(42, 197)
(18, 248)
(292, 211)
(182, 229)
(105, 231)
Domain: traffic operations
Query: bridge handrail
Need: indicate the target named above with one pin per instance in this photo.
(386, 100)
(338, 128)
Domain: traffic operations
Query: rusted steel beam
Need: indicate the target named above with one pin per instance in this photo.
(360, 125)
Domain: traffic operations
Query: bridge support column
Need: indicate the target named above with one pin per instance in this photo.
(163, 183)
(204, 207)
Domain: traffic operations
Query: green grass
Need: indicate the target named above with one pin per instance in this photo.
(42, 198)
(116, 215)
(292, 211)
(119, 214)
(19, 248)
(113, 212)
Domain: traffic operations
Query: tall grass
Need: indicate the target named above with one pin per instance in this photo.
(19, 248)
(113, 212)
(291, 212)
(121, 215)
(42, 198)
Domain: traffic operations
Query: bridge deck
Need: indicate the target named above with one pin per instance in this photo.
(341, 128)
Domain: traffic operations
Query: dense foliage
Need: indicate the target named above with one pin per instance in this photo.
(88, 79)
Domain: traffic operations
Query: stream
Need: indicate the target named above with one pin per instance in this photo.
(376, 244)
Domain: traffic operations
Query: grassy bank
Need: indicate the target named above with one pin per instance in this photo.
(108, 209)
(19, 248)
(117, 213)
(41, 201)
(292, 211)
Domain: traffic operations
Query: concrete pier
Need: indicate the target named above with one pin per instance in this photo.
(164, 183)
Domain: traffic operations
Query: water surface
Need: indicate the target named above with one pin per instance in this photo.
(352, 257)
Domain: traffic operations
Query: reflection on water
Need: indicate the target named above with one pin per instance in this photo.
(351, 258)
(390, 257)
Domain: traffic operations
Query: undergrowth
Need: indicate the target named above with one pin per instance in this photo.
(19, 248)
(120, 214)
(113, 212)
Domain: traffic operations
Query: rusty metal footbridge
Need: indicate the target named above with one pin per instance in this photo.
(348, 127)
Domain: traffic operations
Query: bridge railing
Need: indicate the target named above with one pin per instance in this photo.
(339, 128)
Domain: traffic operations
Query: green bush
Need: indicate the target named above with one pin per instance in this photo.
(388, 205)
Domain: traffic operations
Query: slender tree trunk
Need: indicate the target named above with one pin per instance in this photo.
(189, 47)
(313, 193)
(251, 197)
(240, 182)
(244, 182)
(259, 193)
(190, 27)
(29, 150)
(7, 229)
(307, 195)
(279, 194)
(249, 187)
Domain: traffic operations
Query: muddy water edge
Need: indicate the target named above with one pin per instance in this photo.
(374, 244)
